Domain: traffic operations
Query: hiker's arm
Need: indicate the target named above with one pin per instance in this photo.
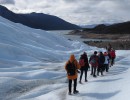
(77, 64)
(65, 66)
(90, 59)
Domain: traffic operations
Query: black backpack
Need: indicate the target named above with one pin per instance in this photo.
(71, 68)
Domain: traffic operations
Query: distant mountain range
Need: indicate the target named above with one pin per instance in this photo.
(37, 20)
(88, 26)
(118, 28)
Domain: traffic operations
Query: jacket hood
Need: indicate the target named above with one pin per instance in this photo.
(105, 54)
(72, 58)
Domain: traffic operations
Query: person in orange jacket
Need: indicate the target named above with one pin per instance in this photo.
(71, 67)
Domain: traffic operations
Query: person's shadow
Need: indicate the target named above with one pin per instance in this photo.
(100, 95)
(107, 80)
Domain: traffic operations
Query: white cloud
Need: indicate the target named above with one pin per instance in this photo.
(78, 11)
(6, 1)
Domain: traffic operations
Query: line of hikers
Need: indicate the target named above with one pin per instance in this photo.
(99, 62)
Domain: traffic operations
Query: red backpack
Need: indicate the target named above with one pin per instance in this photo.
(81, 62)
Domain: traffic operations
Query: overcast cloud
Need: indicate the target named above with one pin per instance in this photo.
(7, 2)
(76, 11)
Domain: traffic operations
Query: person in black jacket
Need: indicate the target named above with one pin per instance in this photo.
(101, 60)
(84, 67)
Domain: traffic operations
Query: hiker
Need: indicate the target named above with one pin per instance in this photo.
(94, 63)
(101, 60)
(71, 67)
(106, 63)
(113, 56)
(83, 61)
(109, 47)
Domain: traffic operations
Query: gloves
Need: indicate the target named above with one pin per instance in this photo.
(78, 71)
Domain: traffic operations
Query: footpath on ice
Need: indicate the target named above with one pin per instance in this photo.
(114, 85)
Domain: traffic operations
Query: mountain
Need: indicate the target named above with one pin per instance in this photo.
(37, 20)
(92, 25)
(118, 28)
(88, 26)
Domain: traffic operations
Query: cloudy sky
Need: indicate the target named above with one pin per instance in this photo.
(75, 11)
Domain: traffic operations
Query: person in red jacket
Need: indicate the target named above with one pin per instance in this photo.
(84, 66)
(94, 63)
(113, 56)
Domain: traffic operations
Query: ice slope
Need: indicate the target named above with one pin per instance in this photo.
(21, 43)
(31, 58)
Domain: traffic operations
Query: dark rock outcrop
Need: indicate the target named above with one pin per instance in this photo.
(119, 28)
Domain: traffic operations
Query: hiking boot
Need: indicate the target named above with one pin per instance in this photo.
(91, 74)
(94, 76)
(102, 74)
(76, 91)
(69, 93)
(80, 82)
(86, 80)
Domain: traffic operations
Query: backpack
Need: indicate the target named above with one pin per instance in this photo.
(93, 60)
(101, 59)
(71, 68)
(81, 62)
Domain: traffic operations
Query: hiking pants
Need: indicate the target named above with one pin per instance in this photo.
(112, 60)
(93, 70)
(106, 67)
(81, 73)
(100, 69)
(70, 85)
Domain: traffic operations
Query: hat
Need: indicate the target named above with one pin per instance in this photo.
(105, 53)
(95, 52)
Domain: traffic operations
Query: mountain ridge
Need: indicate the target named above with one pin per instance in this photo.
(117, 28)
(37, 20)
